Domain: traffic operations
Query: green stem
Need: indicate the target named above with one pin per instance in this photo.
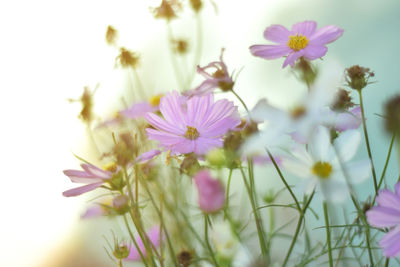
(386, 163)
(134, 241)
(328, 234)
(240, 99)
(207, 241)
(364, 123)
(284, 181)
(298, 227)
(227, 189)
(387, 262)
(257, 217)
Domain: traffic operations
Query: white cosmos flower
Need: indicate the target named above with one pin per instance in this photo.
(320, 165)
(300, 120)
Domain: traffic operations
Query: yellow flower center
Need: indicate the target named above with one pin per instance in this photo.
(111, 167)
(155, 100)
(297, 42)
(322, 169)
(298, 112)
(191, 133)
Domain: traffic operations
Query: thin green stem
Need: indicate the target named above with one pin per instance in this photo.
(257, 217)
(284, 180)
(206, 219)
(134, 241)
(386, 163)
(298, 227)
(387, 262)
(240, 99)
(364, 123)
(227, 188)
(328, 234)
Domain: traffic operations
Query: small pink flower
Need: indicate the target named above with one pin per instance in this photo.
(302, 41)
(211, 192)
(218, 78)
(154, 237)
(92, 176)
(195, 125)
(387, 215)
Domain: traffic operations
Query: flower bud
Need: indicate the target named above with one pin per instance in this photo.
(392, 114)
(190, 165)
(211, 192)
(184, 258)
(357, 77)
(121, 251)
(216, 158)
(121, 204)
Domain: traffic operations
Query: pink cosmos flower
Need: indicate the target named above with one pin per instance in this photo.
(154, 236)
(219, 78)
(302, 41)
(211, 192)
(387, 215)
(91, 175)
(196, 125)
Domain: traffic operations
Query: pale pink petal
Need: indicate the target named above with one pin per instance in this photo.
(164, 138)
(383, 216)
(326, 35)
(171, 109)
(80, 190)
(148, 155)
(204, 145)
(138, 110)
(211, 192)
(198, 108)
(161, 124)
(397, 189)
(95, 171)
(312, 52)
(206, 87)
(306, 28)
(81, 176)
(291, 58)
(270, 51)
(277, 33)
(391, 243)
(93, 211)
(154, 237)
(388, 199)
(347, 121)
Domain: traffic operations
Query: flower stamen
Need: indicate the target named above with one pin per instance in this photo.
(322, 169)
(191, 133)
(297, 42)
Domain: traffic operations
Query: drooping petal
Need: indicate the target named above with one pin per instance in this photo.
(206, 87)
(306, 28)
(81, 176)
(312, 52)
(383, 216)
(326, 35)
(277, 33)
(347, 144)
(270, 51)
(80, 190)
(95, 171)
(147, 155)
(291, 58)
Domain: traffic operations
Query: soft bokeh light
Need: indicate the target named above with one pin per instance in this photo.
(50, 50)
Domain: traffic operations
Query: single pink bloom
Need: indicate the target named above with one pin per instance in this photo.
(211, 192)
(146, 156)
(302, 41)
(154, 237)
(192, 125)
(218, 77)
(91, 175)
(387, 215)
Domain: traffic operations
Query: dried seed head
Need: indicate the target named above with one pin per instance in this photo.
(127, 58)
(196, 5)
(392, 114)
(111, 35)
(357, 77)
(343, 101)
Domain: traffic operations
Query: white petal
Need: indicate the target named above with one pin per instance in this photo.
(358, 171)
(296, 167)
(263, 111)
(347, 144)
(334, 190)
(320, 144)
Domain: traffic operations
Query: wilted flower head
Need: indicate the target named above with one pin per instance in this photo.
(357, 77)
(127, 59)
(167, 10)
(217, 78)
(91, 175)
(111, 35)
(302, 41)
(86, 99)
(342, 101)
(194, 125)
(211, 192)
(180, 46)
(185, 258)
(387, 215)
(196, 5)
(125, 149)
(392, 114)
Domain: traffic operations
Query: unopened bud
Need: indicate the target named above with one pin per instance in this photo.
(357, 77)
(121, 251)
(190, 165)
(121, 204)
(216, 158)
